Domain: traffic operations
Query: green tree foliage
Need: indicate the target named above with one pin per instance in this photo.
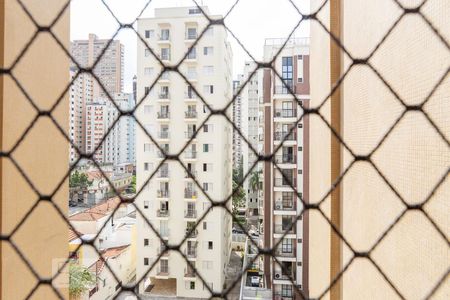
(255, 181)
(80, 280)
(79, 180)
(133, 184)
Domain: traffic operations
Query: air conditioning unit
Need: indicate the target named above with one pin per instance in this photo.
(277, 275)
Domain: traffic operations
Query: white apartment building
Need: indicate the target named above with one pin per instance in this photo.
(250, 129)
(237, 120)
(118, 146)
(281, 203)
(172, 112)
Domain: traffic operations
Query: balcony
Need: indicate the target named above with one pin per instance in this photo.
(191, 57)
(281, 182)
(191, 36)
(190, 114)
(282, 229)
(163, 38)
(189, 273)
(285, 206)
(286, 252)
(162, 213)
(284, 136)
(190, 174)
(190, 194)
(164, 57)
(162, 251)
(162, 97)
(283, 90)
(285, 159)
(191, 234)
(285, 113)
(283, 296)
(163, 115)
(164, 233)
(190, 96)
(162, 194)
(192, 76)
(162, 272)
(284, 276)
(163, 135)
(190, 134)
(163, 173)
(191, 252)
(190, 214)
(190, 155)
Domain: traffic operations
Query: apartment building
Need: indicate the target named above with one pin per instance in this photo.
(288, 140)
(237, 120)
(250, 129)
(85, 89)
(172, 113)
(109, 70)
(80, 93)
(118, 144)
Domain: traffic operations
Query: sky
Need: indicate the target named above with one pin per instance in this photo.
(251, 21)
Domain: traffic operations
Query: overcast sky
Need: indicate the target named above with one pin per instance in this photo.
(251, 21)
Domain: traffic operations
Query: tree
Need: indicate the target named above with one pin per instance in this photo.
(80, 280)
(133, 185)
(78, 181)
(255, 181)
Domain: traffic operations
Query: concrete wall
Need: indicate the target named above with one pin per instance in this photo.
(43, 72)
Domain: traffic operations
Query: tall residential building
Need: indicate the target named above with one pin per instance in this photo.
(282, 193)
(85, 88)
(249, 99)
(118, 145)
(172, 112)
(109, 69)
(237, 120)
(80, 93)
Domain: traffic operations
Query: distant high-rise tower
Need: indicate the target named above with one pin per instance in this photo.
(172, 112)
(109, 69)
(86, 90)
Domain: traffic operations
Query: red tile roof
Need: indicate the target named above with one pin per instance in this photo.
(97, 212)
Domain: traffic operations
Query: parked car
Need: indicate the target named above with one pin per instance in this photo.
(237, 230)
(72, 203)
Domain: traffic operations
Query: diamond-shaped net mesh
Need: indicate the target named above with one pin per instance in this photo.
(355, 158)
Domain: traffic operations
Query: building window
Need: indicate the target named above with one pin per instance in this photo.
(194, 11)
(146, 204)
(165, 53)
(208, 128)
(205, 167)
(191, 33)
(147, 52)
(286, 290)
(207, 186)
(286, 73)
(192, 285)
(145, 261)
(208, 89)
(146, 166)
(204, 225)
(192, 54)
(210, 245)
(145, 242)
(286, 246)
(148, 71)
(149, 34)
(165, 35)
(208, 51)
(207, 147)
(208, 70)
